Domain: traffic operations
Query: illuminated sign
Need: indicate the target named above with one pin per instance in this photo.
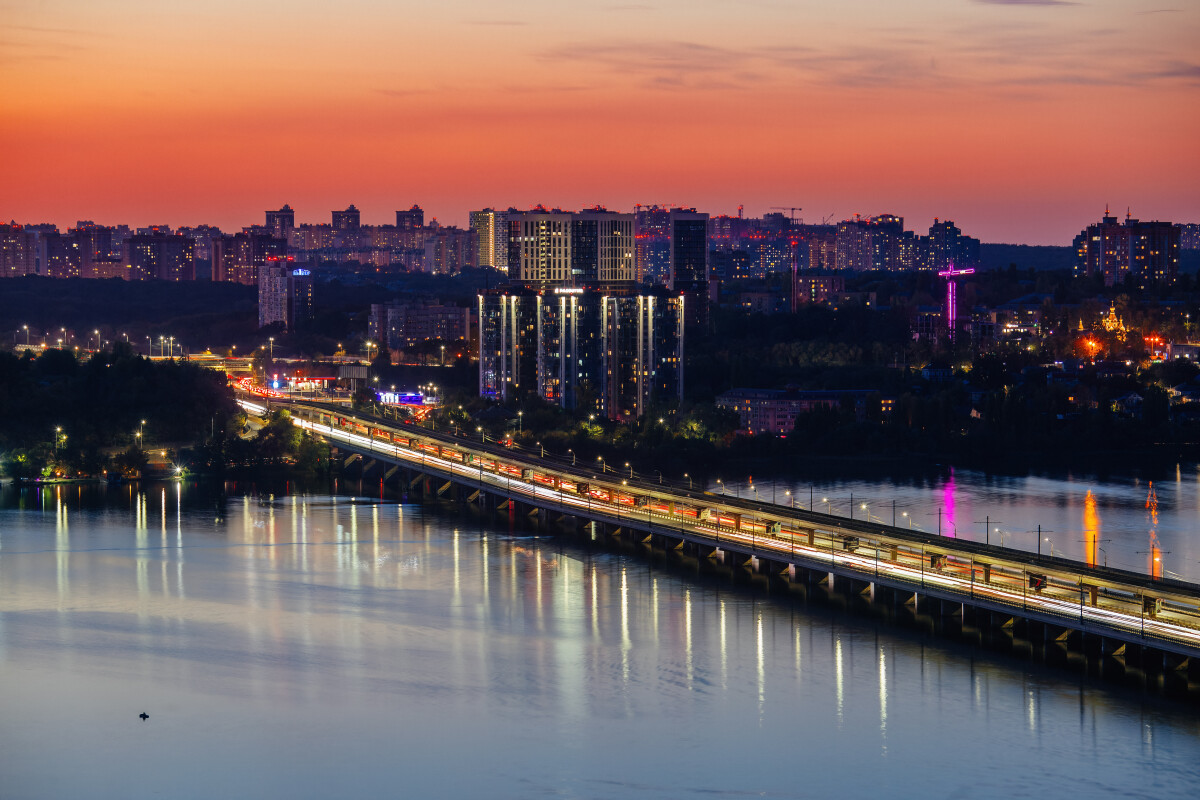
(401, 399)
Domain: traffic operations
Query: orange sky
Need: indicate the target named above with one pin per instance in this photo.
(1019, 119)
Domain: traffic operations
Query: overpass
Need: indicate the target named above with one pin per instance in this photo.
(1077, 604)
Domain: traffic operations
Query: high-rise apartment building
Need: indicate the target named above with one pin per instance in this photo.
(689, 263)
(602, 248)
(619, 352)
(17, 251)
(1189, 235)
(413, 218)
(239, 258)
(159, 256)
(854, 252)
(448, 250)
(406, 325)
(1146, 251)
(947, 247)
(285, 294)
(539, 247)
(652, 235)
(280, 223)
(348, 220)
(822, 248)
(490, 228)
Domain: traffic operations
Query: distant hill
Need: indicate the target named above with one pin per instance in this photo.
(1026, 256)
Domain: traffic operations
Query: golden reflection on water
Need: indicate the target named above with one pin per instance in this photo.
(1091, 529)
(1154, 564)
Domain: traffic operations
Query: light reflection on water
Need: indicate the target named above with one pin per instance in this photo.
(1159, 540)
(331, 648)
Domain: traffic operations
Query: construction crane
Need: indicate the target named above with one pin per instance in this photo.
(792, 209)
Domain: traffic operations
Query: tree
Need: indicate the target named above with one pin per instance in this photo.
(24, 464)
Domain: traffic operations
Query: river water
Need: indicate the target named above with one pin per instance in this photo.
(323, 647)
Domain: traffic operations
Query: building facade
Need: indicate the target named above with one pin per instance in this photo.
(285, 294)
(619, 352)
(1146, 252)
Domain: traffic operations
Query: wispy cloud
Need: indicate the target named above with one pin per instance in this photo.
(507, 23)
(1013, 55)
(401, 93)
(1028, 2)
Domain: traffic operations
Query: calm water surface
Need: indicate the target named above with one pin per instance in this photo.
(326, 648)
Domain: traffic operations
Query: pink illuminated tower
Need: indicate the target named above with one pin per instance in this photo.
(952, 298)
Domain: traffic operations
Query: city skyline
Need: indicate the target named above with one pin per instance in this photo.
(1018, 120)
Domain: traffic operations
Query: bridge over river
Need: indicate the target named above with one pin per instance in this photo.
(1093, 609)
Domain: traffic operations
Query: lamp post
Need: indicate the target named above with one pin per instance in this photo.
(603, 466)
(572, 452)
(630, 470)
(57, 436)
(271, 339)
(791, 500)
(689, 477)
(520, 422)
(26, 327)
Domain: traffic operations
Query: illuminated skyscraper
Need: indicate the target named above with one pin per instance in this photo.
(161, 256)
(689, 263)
(652, 236)
(239, 257)
(285, 294)
(616, 351)
(602, 248)
(539, 247)
(491, 231)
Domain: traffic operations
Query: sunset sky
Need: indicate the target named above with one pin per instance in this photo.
(1019, 119)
